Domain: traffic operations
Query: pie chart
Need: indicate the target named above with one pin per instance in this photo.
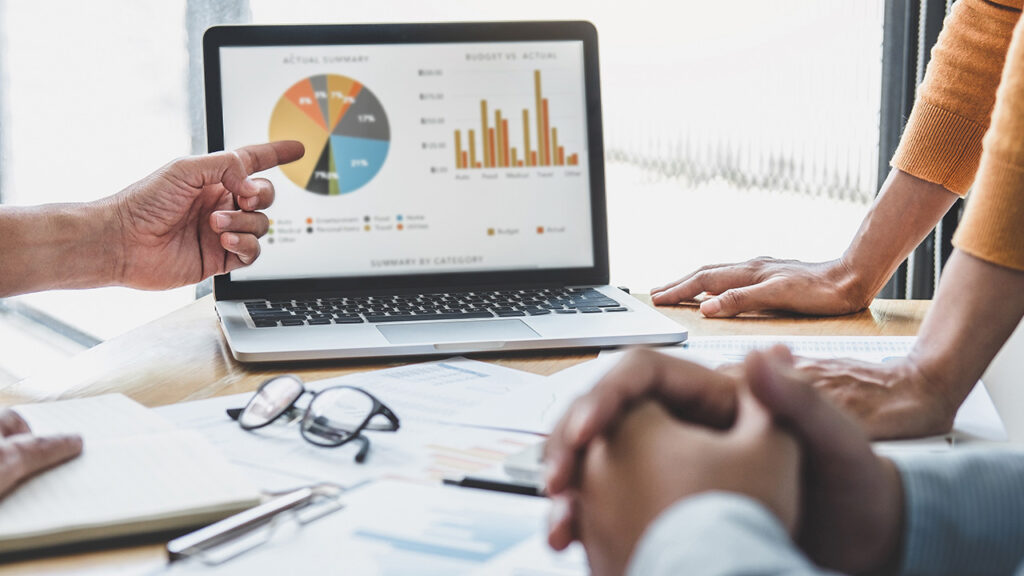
(343, 127)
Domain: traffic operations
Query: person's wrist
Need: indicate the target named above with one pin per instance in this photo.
(852, 285)
(937, 386)
(103, 222)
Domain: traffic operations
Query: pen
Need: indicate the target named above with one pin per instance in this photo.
(496, 486)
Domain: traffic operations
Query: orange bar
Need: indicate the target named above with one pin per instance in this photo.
(561, 155)
(526, 134)
(472, 150)
(504, 140)
(490, 147)
(520, 163)
(542, 132)
(465, 160)
(458, 149)
(547, 143)
(533, 158)
(483, 132)
(574, 160)
(499, 152)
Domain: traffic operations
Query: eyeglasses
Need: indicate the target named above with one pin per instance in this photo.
(334, 417)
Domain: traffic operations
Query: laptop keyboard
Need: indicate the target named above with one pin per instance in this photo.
(446, 306)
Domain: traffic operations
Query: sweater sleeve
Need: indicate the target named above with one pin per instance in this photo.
(962, 512)
(718, 533)
(942, 140)
(993, 225)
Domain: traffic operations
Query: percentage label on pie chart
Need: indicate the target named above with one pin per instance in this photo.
(343, 127)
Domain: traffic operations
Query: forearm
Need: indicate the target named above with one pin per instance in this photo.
(906, 210)
(976, 308)
(57, 246)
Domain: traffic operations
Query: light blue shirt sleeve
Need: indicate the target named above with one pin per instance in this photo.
(963, 512)
(718, 533)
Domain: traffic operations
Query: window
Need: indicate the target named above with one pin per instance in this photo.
(732, 129)
(716, 115)
(93, 101)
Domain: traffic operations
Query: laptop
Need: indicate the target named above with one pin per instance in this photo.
(1004, 381)
(451, 199)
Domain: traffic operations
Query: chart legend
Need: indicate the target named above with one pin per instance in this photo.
(343, 127)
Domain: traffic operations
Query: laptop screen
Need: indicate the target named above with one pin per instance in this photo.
(425, 158)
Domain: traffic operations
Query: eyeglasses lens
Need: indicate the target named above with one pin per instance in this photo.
(272, 399)
(335, 414)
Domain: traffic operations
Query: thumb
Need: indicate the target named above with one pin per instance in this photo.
(788, 395)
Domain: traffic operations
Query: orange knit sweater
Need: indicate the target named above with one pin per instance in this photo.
(948, 133)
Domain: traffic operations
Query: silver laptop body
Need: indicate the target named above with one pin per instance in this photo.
(451, 199)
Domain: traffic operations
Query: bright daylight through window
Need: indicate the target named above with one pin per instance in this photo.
(714, 115)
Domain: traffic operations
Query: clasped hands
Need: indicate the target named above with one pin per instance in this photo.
(658, 429)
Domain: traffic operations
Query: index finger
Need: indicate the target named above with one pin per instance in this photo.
(664, 287)
(232, 169)
(711, 280)
(687, 389)
(260, 157)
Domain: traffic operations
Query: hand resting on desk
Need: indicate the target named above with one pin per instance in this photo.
(23, 455)
(819, 288)
(905, 211)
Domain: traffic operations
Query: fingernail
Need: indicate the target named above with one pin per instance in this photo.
(711, 307)
(655, 295)
(231, 239)
(223, 221)
(559, 511)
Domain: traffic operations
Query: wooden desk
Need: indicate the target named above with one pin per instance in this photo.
(183, 356)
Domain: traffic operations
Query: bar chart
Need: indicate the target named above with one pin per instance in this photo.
(489, 146)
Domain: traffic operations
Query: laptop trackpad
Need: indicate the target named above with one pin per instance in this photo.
(477, 331)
